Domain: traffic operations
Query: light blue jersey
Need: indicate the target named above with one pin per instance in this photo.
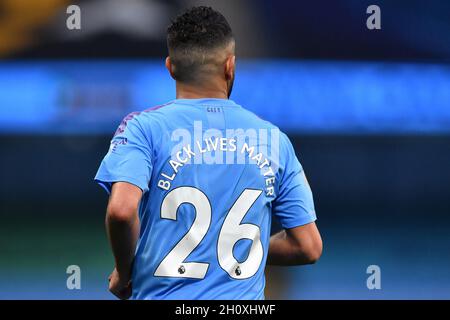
(212, 174)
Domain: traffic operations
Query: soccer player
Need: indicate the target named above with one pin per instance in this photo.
(194, 183)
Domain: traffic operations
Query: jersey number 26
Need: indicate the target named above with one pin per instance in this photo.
(174, 265)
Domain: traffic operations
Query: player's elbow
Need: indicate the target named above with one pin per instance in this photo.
(309, 252)
(314, 252)
(306, 244)
(117, 213)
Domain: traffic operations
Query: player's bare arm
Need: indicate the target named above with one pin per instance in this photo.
(296, 246)
(122, 225)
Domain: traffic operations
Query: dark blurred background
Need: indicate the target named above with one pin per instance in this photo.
(367, 110)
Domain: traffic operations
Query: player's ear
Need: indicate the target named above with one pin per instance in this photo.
(230, 64)
(169, 67)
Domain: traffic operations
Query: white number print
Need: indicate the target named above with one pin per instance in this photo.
(173, 264)
(232, 231)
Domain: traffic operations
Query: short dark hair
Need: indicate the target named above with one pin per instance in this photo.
(192, 37)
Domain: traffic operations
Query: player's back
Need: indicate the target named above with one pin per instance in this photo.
(211, 179)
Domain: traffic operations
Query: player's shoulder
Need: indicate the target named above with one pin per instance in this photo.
(257, 121)
(142, 120)
(155, 112)
(146, 116)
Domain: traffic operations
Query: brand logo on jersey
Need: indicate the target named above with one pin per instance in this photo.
(214, 109)
(117, 142)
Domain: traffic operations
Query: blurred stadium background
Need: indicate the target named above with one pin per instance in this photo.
(368, 112)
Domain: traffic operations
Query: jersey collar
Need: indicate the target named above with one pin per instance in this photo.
(206, 102)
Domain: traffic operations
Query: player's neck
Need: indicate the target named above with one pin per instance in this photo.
(186, 91)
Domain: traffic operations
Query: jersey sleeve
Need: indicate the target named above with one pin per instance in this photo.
(294, 204)
(128, 159)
